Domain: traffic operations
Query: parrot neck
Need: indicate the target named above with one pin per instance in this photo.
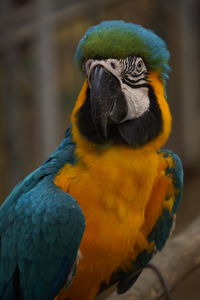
(84, 147)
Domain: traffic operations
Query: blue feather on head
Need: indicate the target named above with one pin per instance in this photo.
(118, 39)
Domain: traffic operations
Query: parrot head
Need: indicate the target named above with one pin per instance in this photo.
(126, 67)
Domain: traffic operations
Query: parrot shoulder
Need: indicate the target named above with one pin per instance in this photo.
(40, 231)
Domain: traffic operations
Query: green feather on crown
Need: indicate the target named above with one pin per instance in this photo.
(118, 39)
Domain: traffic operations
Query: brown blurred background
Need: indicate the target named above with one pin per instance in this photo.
(39, 83)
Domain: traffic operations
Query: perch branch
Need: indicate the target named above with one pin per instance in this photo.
(179, 258)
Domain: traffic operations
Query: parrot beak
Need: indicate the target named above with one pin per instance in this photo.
(108, 105)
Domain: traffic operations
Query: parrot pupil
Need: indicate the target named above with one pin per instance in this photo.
(139, 65)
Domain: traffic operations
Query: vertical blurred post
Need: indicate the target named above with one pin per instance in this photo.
(10, 160)
(5, 6)
(47, 93)
(190, 79)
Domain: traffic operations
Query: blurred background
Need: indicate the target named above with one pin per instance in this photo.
(39, 83)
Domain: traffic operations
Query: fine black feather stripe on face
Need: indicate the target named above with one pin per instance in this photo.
(138, 75)
(131, 82)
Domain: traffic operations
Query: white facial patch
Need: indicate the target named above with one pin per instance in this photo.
(131, 73)
(137, 101)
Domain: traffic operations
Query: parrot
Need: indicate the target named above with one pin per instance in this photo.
(104, 202)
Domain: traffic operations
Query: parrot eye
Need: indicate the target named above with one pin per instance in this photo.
(139, 66)
(133, 70)
(133, 66)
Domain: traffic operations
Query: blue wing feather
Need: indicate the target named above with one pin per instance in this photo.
(41, 227)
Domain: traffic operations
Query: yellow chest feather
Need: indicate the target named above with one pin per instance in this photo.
(112, 190)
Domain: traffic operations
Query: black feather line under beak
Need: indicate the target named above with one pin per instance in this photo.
(108, 105)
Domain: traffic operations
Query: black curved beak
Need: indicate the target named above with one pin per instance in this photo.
(108, 103)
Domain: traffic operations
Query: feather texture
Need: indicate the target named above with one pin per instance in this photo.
(40, 231)
(118, 39)
(161, 229)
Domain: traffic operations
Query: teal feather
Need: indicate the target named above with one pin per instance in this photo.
(118, 39)
(41, 227)
(161, 231)
(177, 177)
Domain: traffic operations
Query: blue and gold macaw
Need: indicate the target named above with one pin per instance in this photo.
(104, 202)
